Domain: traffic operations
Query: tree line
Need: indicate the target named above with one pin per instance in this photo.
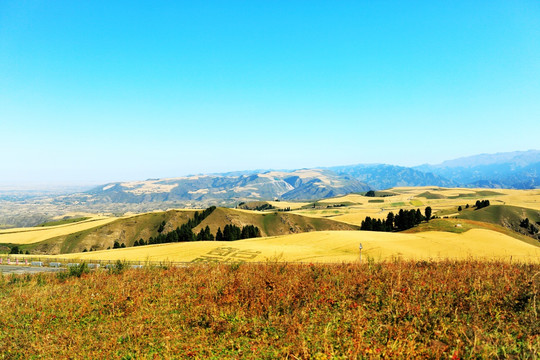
(182, 233)
(185, 232)
(403, 220)
(233, 232)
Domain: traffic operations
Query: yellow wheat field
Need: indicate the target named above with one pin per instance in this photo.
(408, 198)
(33, 235)
(287, 204)
(335, 246)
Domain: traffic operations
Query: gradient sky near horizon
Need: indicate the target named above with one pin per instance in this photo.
(100, 91)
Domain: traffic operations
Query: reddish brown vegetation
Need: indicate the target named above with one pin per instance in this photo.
(392, 310)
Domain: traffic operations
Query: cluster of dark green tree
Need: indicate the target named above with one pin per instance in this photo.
(403, 220)
(261, 207)
(205, 234)
(15, 250)
(182, 233)
(117, 245)
(527, 225)
(264, 207)
(335, 206)
(233, 232)
(481, 204)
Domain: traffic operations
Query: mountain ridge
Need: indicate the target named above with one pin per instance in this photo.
(518, 169)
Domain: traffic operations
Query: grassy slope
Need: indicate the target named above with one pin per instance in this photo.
(63, 221)
(430, 196)
(270, 223)
(506, 216)
(21, 236)
(144, 226)
(123, 230)
(459, 226)
(501, 214)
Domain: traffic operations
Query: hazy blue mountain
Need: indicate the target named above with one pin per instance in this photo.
(517, 158)
(504, 170)
(382, 176)
(518, 169)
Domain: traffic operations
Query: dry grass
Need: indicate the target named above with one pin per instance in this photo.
(287, 204)
(394, 310)
(407, 198)
(33, 235)
(337, 246)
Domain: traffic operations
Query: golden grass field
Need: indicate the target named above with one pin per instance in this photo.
(408, 198)
(37, 234)
(335, 246)
(339, 245)
(287, 204)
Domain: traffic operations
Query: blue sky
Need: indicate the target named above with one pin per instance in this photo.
(99, 91)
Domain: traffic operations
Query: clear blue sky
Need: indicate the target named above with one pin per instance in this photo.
(99, 91)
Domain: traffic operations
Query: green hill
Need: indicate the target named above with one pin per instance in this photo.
(270, 223)
(144, 226)
(123, 230)
(507, 216)
(501, 214)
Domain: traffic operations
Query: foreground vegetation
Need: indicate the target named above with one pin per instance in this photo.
(446, 309)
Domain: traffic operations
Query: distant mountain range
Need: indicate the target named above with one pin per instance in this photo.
(306, 184)
(519, 170)
(513, 170)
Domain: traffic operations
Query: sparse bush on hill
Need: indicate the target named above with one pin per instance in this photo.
(396, 310)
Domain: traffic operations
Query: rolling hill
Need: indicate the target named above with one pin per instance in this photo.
(335, 246)
(512, 170)
(131, 229)
(507, 216)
